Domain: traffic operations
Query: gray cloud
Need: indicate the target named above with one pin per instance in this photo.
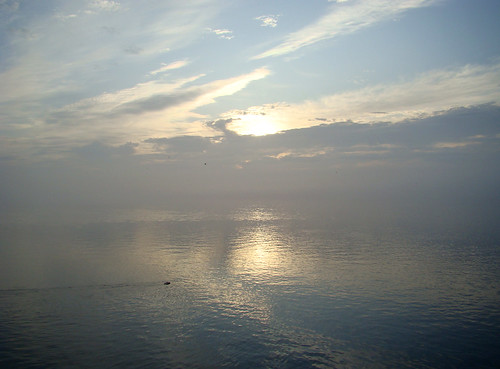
(470, 131)
(221, 126)
(155, 107)
(133, 50)
(9, 5)
(181, 144)
(23, 33)
(99, 151)
(452, 156)
(159, 102)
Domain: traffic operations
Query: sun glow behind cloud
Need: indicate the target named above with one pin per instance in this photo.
(429, 94)
(254, 124)
(124, 75)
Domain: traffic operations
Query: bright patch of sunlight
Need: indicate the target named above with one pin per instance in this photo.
(254, 124)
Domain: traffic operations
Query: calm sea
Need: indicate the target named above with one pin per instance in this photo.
(254, 286)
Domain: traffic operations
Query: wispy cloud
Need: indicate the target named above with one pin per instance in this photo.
(222, 33)
(9, 5)
(105, 5)
(427, 95)
(151, 109)
(67, 54)
(304, 153)
(344, 19)
(167, 67)
(454, 145)
(268, 20)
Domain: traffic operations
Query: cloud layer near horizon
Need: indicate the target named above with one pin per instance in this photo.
(449, 153)
(160, 108)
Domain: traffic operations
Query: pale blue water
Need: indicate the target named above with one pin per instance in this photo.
(252, 286)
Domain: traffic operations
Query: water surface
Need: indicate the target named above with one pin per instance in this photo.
(252, 286)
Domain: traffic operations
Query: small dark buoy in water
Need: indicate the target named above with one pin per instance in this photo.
(166, 283)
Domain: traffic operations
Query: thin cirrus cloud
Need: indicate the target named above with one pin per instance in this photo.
(106, 5)
(268, 20)
(343, 19)
(430, 94)
(56, 61)
(222, 33)
(150, 109)
(168, 67)
(90, 41)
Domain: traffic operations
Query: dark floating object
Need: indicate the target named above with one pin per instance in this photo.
(166, 283)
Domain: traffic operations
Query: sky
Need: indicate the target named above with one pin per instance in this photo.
(128, 103)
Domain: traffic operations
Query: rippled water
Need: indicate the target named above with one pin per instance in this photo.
(256, 286)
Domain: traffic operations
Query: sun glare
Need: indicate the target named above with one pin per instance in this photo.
(255, 125)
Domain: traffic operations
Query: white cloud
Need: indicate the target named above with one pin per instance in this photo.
(151, 109)
(65, 16)
(454, 145)
(268, 20)
(343, 20)
(106, 5)
(427, 95)
(63, 55)
(304, 153)
(167, 67)
(222, 33)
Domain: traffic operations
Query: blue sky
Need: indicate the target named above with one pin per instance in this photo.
(101, 86)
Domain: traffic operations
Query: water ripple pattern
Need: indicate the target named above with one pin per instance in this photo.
(257, 286)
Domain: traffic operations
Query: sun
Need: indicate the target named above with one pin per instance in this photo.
(255, 125)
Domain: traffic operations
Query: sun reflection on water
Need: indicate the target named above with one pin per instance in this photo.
(261, 282)
(260, 249)
(259, 253)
